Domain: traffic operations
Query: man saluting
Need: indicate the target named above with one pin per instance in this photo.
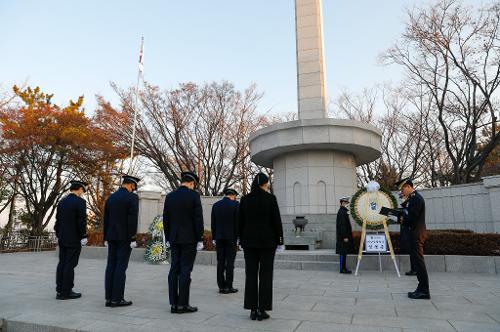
(183, 227)
(120, 227)
(71, 232)
(413, 218)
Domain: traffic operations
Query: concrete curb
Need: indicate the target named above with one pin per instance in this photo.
(328, 260)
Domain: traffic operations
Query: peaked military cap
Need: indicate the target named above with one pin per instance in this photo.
(130, 179)
(79, 183)
(404, 181)
(190, 175)
(345, 199)
(230, 191)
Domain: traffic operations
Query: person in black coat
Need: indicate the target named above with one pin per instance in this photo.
(224, 234)
(261, 232)
(413, 217)
(183, 227)
(121, 213)
(406, 235)
(71, 232)
(345, 243)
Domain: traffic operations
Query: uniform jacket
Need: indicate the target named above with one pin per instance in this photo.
(71, 221)
(183, 216)
(260, 221)
(414, 216)
(225, 220)
(344, 230)
(121, 214)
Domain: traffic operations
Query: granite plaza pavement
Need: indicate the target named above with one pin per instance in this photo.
(303, 301)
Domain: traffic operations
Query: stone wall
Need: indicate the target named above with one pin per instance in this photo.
(151, 205)
(473, 206)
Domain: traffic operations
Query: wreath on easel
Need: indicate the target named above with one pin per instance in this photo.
(366, 205)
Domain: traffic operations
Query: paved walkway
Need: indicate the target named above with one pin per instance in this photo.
(303, 301)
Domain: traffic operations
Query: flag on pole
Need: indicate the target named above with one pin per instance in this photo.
(141, 58)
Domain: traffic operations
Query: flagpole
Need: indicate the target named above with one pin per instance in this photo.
(136, 106)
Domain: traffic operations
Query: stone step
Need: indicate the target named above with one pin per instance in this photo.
(297, 265)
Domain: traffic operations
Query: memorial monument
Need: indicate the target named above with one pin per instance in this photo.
(314, 158)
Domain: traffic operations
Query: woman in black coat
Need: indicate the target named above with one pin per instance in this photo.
(345, 244)
(261, 232)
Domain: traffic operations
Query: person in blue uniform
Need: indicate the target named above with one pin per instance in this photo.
(345, 243)
(121, 213)
(406, 235)
(261, 232)
(183, 227)
(225, 233)
(413, 217)
(71, 232)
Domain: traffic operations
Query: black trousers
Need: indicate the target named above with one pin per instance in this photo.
(343, 261)
(226, 254)
(417, 258)
(65, 275)
(118, 257)
(182, 258)
(406, 242)
(259, 264)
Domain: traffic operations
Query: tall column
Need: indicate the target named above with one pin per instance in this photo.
(311, 86)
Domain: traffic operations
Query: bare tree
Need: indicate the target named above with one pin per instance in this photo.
(202, 128)
(453, 52)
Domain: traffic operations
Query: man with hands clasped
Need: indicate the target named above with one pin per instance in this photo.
(71, 232)
(183, 227)
(120, 228)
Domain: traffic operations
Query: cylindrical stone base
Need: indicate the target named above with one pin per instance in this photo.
(312, 182)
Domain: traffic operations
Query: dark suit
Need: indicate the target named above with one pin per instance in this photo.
(344, 230)
(70, 228)
(121, 214)
(414, 219)
(225, 232)
(406, 238)
(261, 232)
(183, 226)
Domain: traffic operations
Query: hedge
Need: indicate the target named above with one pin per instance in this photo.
(439, 242)
(450, 242)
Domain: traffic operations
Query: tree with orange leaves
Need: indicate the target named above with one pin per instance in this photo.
(44, 146)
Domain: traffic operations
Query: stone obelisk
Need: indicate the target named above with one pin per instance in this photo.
(311, 86)
(314, 158)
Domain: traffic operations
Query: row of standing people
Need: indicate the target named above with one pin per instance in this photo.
(254, 224)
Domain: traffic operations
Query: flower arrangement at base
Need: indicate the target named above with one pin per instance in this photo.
(156, 249)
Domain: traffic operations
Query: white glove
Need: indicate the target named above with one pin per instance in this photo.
(280, 248)
(105, 243)
(199, 246)
(167, 244)
(84, 241)
(133, 244)
(213, 242)
(393, 218)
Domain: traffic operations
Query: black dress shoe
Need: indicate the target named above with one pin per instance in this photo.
(261, 314)
(186, 310)
(223, 291)
(173, 309)
(121, 303)
(232, 290)
(69, 296)
(411, 273)
(253, 314)
(418, 295)
(346, 271)
(108, 303)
